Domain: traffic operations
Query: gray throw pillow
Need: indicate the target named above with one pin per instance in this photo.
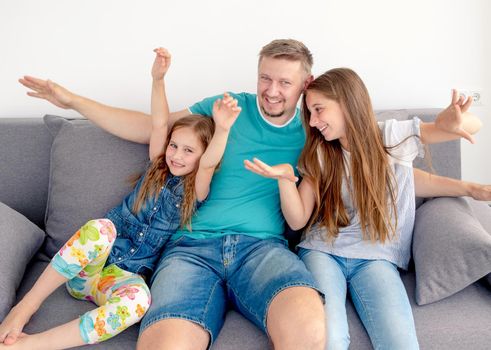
(483, 213)
(89, 172)
(451, 246)
(21, 239)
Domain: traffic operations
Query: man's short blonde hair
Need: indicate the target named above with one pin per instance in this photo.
(288, 49)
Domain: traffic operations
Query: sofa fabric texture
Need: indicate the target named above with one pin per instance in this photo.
(89, 174)
(56, 174)
(21, 239)
(24, 166)
(451, 251)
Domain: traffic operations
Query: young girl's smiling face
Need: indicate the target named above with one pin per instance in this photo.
(183, 151)
(327, 117)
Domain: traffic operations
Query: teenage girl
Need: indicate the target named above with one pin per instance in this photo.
(357, 200)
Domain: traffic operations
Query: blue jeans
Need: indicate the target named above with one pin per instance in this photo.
(197, 279)
(378, 295)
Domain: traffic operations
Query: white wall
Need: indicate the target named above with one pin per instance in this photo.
(409, 53)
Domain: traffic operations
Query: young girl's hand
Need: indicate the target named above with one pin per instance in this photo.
(280, 171)
(225, 112)
(161, 63)
(452, 118)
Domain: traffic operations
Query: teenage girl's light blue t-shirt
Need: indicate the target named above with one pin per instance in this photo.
(242, 202)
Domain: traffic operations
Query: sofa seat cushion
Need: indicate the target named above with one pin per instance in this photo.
(458, 322)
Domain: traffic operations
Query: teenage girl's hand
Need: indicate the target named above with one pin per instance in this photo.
(225, 112)
(452, 118)
(49, 91)
(280, 171)
(480, 192)
(161, 63)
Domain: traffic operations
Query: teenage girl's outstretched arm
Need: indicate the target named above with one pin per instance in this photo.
(159, 105)
(452, 123)
(225, 113)
(297, 204)
(431, 185)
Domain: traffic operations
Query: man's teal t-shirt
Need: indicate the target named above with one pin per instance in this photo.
(242, 202)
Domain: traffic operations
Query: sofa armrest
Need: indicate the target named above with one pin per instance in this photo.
(451, 246)
(20, 240)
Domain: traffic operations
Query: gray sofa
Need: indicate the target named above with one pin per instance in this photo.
(55, 174)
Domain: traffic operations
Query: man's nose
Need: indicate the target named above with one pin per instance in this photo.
(272, 89)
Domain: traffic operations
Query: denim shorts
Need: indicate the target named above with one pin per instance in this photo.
(198, 279)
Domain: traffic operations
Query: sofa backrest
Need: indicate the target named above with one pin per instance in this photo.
(444, 157)
(25, 145)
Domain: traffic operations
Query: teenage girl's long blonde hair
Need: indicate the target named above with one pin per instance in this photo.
(322, 162)
(156, 175)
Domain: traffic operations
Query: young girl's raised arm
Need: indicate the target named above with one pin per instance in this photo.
(159, 106)
(297, 204)
(225, 113)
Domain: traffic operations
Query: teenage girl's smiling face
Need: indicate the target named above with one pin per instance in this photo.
(327, 117)
(183, 151)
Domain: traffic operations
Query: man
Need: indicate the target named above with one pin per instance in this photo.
(235, 252)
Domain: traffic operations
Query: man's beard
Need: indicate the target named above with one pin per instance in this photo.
(277, 115)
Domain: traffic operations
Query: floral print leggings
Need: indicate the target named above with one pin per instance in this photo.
(123, 297)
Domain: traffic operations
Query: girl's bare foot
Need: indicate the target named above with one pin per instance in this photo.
(24, 341)
(12, 325)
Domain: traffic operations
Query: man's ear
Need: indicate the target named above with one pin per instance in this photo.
(307, 82)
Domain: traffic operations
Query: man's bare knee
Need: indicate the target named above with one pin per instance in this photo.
(296, 318)
(173, 334)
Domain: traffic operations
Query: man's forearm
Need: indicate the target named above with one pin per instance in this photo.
(175, 116)
(129, 125)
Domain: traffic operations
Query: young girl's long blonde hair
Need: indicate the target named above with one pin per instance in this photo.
(372, 188)
(156, 175)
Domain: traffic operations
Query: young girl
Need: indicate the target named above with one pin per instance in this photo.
(357, 197)
(107, 259)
